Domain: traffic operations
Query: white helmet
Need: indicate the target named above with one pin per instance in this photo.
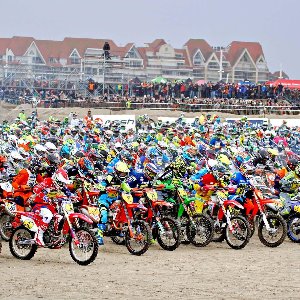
(39, 149)
(15, 155)
(50, 147)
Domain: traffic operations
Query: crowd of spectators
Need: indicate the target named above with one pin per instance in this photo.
(219, 96)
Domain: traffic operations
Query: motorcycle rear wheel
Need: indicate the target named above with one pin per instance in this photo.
(20, 234)
(141, 237)
(5, 231)
(200, 232)
(88, 246)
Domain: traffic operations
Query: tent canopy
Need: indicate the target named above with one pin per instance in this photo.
(292, 84)
(159, 79)
(201, 81)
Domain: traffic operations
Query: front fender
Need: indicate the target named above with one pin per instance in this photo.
(233, 203)
(80, 216)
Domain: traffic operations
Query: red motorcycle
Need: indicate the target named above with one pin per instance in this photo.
(122, 222)
(234, 228)
(165, 229)
(272, 228)
(63, 228)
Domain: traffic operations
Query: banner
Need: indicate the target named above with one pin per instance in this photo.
(127, 121)
(255, 122)
(173, 120)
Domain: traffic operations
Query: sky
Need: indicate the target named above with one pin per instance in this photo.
(273, 23)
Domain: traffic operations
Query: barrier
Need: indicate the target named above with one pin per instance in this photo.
(238, 109)
(127, 121)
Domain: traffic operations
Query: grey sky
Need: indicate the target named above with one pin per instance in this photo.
(274, 24)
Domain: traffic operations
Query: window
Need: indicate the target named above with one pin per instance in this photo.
(9, 58)
(52, 60)
(37, 60)
(197, 59)
(74, 58)
(132, 53)
(245, 58)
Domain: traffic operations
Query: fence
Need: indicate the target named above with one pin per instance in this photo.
(237, 109)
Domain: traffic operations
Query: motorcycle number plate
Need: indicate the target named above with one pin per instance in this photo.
(152, 195)
(94, 212)
(182, 193)
(28, 224)
(68, 206)
(127, 198)
(297, 208)
(11, 206)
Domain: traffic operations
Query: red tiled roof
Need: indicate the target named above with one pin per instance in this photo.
(236, 49)
(194, 44)
(19, 45)
(156, 44)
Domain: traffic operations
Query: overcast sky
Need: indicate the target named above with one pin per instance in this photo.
(273, 23)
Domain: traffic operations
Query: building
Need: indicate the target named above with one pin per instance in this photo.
(26, 61)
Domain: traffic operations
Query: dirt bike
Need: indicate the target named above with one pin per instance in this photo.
(122, 222)
(165, 230)
(227, 224)
(63, 228)
(272, 228)
(8, 208)
(290, 211)
(196, 228)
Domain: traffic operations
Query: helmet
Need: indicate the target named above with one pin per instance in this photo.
(61, 177)
(121, 170)
(39, 150)
(3, 160)
(292, 163)
(263, 155)
(297, 169)
(150, 171)
(126, 156)
(50, 147)
(53, 159)
(53, 130)
(247, 168)
(219, 171)
(118, 147)
(15, 155)
(85, 164)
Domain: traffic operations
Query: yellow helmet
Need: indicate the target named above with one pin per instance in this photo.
(273, 152)
(121, 170)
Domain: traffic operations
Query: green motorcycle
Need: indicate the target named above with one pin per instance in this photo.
(196, 228)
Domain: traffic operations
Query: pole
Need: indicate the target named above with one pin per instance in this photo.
(104, 73)
(221, 65)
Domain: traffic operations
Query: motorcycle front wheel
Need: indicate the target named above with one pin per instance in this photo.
(168, 237)
(293, 228)
(277, 232)
(84, 248)
(238, 237)
(138, 240)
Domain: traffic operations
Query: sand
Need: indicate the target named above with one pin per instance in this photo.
(213, 272)
(10, 112)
